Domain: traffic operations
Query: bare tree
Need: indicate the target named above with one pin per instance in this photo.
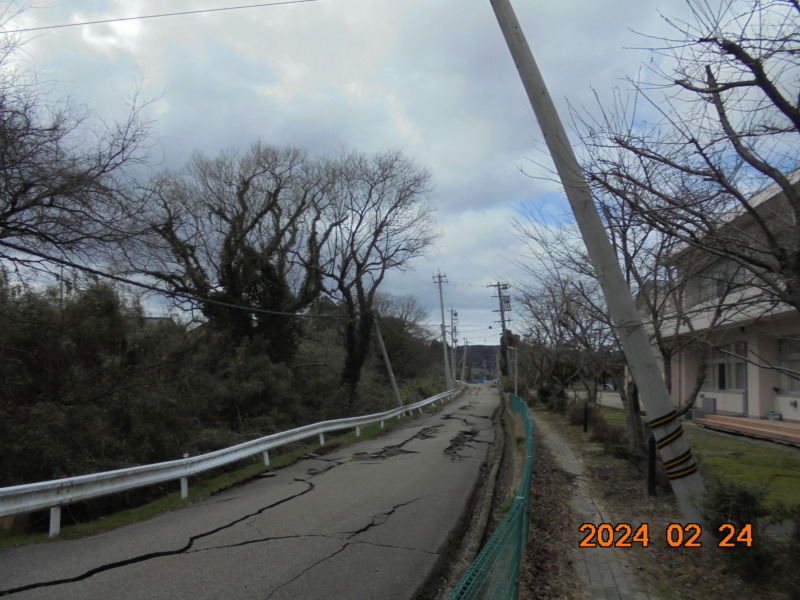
(405, 337)
(241, 230)
(383, 221)
(64, 178)
(688, 152)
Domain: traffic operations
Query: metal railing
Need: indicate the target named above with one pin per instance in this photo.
(30, 497)
(494, 574)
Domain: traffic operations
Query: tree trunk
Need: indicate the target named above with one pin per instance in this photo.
(629, 394)
(358, 334)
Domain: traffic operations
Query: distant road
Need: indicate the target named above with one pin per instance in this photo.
(366, 521)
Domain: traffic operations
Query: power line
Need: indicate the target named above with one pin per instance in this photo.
(174, 14)
(155, 288)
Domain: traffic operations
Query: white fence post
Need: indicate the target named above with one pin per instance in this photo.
(265, 454)
(55, 521)
(184, 488)
(321, 439)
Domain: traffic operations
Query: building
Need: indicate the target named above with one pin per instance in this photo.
(745, 347)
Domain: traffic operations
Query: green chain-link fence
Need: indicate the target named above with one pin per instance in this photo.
(494, 574)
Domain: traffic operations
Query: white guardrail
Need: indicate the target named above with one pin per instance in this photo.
(30, 497)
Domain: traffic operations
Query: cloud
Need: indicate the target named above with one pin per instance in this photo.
(433, 77)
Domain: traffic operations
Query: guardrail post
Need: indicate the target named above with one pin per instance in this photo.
(321, 439)
(358, 431)
(265, 455)
(381, 424)
(184, 488)
(55, 521)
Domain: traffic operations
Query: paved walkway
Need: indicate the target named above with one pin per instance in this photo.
(604, 571)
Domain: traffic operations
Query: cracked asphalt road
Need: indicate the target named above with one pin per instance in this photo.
(366, 521)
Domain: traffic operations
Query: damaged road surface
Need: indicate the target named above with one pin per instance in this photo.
(370, 520)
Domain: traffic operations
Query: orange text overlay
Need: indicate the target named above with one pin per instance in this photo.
(676, 535)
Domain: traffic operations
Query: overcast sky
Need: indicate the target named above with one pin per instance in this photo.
(432, 77)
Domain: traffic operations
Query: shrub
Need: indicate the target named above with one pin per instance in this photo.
(740, 505)
(606, 434)
(576, 411)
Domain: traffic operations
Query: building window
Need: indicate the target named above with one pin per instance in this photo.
(789, 359)
(714, 282)
(726, 368)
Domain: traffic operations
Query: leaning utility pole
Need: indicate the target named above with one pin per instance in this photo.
(448, 378)
(388, 364)
(675, 452)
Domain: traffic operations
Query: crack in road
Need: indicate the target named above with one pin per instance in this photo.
(462, 440)
(462, 419)
(152, 555)
(313, 471)
(389, 451)
(376, 521)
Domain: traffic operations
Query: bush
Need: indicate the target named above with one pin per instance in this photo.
(552, 399)
(733, 503)
(576, 411)
(606, 434)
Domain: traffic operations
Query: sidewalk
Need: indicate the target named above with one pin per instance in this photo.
(604, 572)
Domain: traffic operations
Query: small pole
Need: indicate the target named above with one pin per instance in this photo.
(651, 466)
(358, 431)
(586, 415)
(184, 488)
(55, 521)
(321, 439)
(265, 454)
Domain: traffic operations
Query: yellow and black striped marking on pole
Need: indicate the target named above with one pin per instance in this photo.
(676, 467)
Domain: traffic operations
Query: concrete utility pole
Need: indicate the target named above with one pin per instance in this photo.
(388, 364)
(453, 342)
(438, 279)
(464, 361)
(674, 450)
(505, 305)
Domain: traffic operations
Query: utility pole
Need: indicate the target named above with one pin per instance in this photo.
(675, 452)
(505, 305)
(453, 341)
(464, 361)
(438, 279)
(388, 364)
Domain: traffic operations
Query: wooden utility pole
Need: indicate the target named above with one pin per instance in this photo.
(674, 449)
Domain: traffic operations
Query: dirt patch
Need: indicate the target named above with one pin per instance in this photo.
(548, 571)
